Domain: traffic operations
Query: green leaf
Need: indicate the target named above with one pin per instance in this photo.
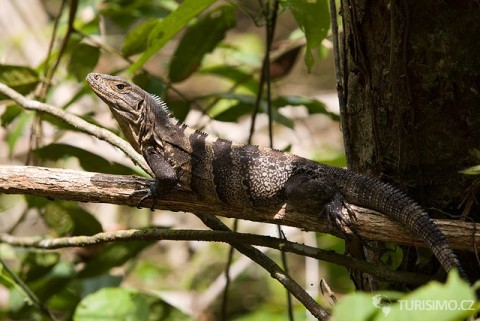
(313, 17)
(52, 283)
(124, 13)
(18, 130)
(10, 114)
(361, 303)
(314, 106)
(89, 161)
(136, 40)
(22, 79)
(236, 75)
(113, 304)
(83, 60)
(474, 170)
(393, 257)
(36, 265)
(454, 300)
(200, 39)
(36, 201)
(169, 27)
(84, 223)
(233, 106)
(57, 219)
(112, 255)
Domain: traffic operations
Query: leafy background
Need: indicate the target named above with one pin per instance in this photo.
(204, 57)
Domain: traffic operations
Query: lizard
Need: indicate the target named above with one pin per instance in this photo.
(250, 175)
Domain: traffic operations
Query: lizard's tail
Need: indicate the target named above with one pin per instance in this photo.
(370, 193)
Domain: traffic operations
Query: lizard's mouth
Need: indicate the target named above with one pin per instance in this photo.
(93, 81)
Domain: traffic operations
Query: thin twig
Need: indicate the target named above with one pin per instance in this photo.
(223, 311)
(77, 122)
(149, 234)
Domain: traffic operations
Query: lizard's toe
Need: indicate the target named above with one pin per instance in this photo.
(151, 191)
(334, 211)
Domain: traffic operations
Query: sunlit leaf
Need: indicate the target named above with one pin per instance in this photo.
(234, 74)
(113, 255)
(84, 223)
(22, 121)
(238, 105)
(113, 304)
(22, 79)
(200, 39)
(313, 106)
(124, 13)
(313, 17)
(169, 27)
(454, 300)
(136, 40)
(474, 170)
(10, 114)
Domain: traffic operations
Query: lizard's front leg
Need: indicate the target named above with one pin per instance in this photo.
(165, 177)
(316, 192)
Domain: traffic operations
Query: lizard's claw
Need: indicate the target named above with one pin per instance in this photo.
(333, 210)
(151, 191)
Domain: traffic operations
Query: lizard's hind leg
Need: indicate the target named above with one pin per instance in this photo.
(314, 192)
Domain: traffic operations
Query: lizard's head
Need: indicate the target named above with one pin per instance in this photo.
(126, 101)
(124, 98)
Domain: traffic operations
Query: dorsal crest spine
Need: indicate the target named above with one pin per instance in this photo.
(160, 102)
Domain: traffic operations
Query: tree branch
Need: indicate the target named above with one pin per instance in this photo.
(78, 123)
(115, 189)
(268, 264)
(150, 234)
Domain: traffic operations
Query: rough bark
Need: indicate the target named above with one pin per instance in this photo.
(54, 183)
(411, 75)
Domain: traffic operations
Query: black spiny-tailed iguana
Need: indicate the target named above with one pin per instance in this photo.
(247, 175)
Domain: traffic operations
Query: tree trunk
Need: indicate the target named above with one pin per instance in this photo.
(411, 81)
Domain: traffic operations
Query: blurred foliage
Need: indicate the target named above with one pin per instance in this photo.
(84, 283)
(454, 300)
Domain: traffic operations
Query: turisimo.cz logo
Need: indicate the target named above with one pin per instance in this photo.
(384, 303)
(436, 305)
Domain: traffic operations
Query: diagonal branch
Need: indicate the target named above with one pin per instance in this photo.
(77, 122)
(268, 264)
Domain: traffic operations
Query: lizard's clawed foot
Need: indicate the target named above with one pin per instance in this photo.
(334, 211)
(150, 191)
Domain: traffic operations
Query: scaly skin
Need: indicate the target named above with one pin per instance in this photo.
(248, 175)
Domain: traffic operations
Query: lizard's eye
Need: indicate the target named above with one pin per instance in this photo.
(120, 86)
